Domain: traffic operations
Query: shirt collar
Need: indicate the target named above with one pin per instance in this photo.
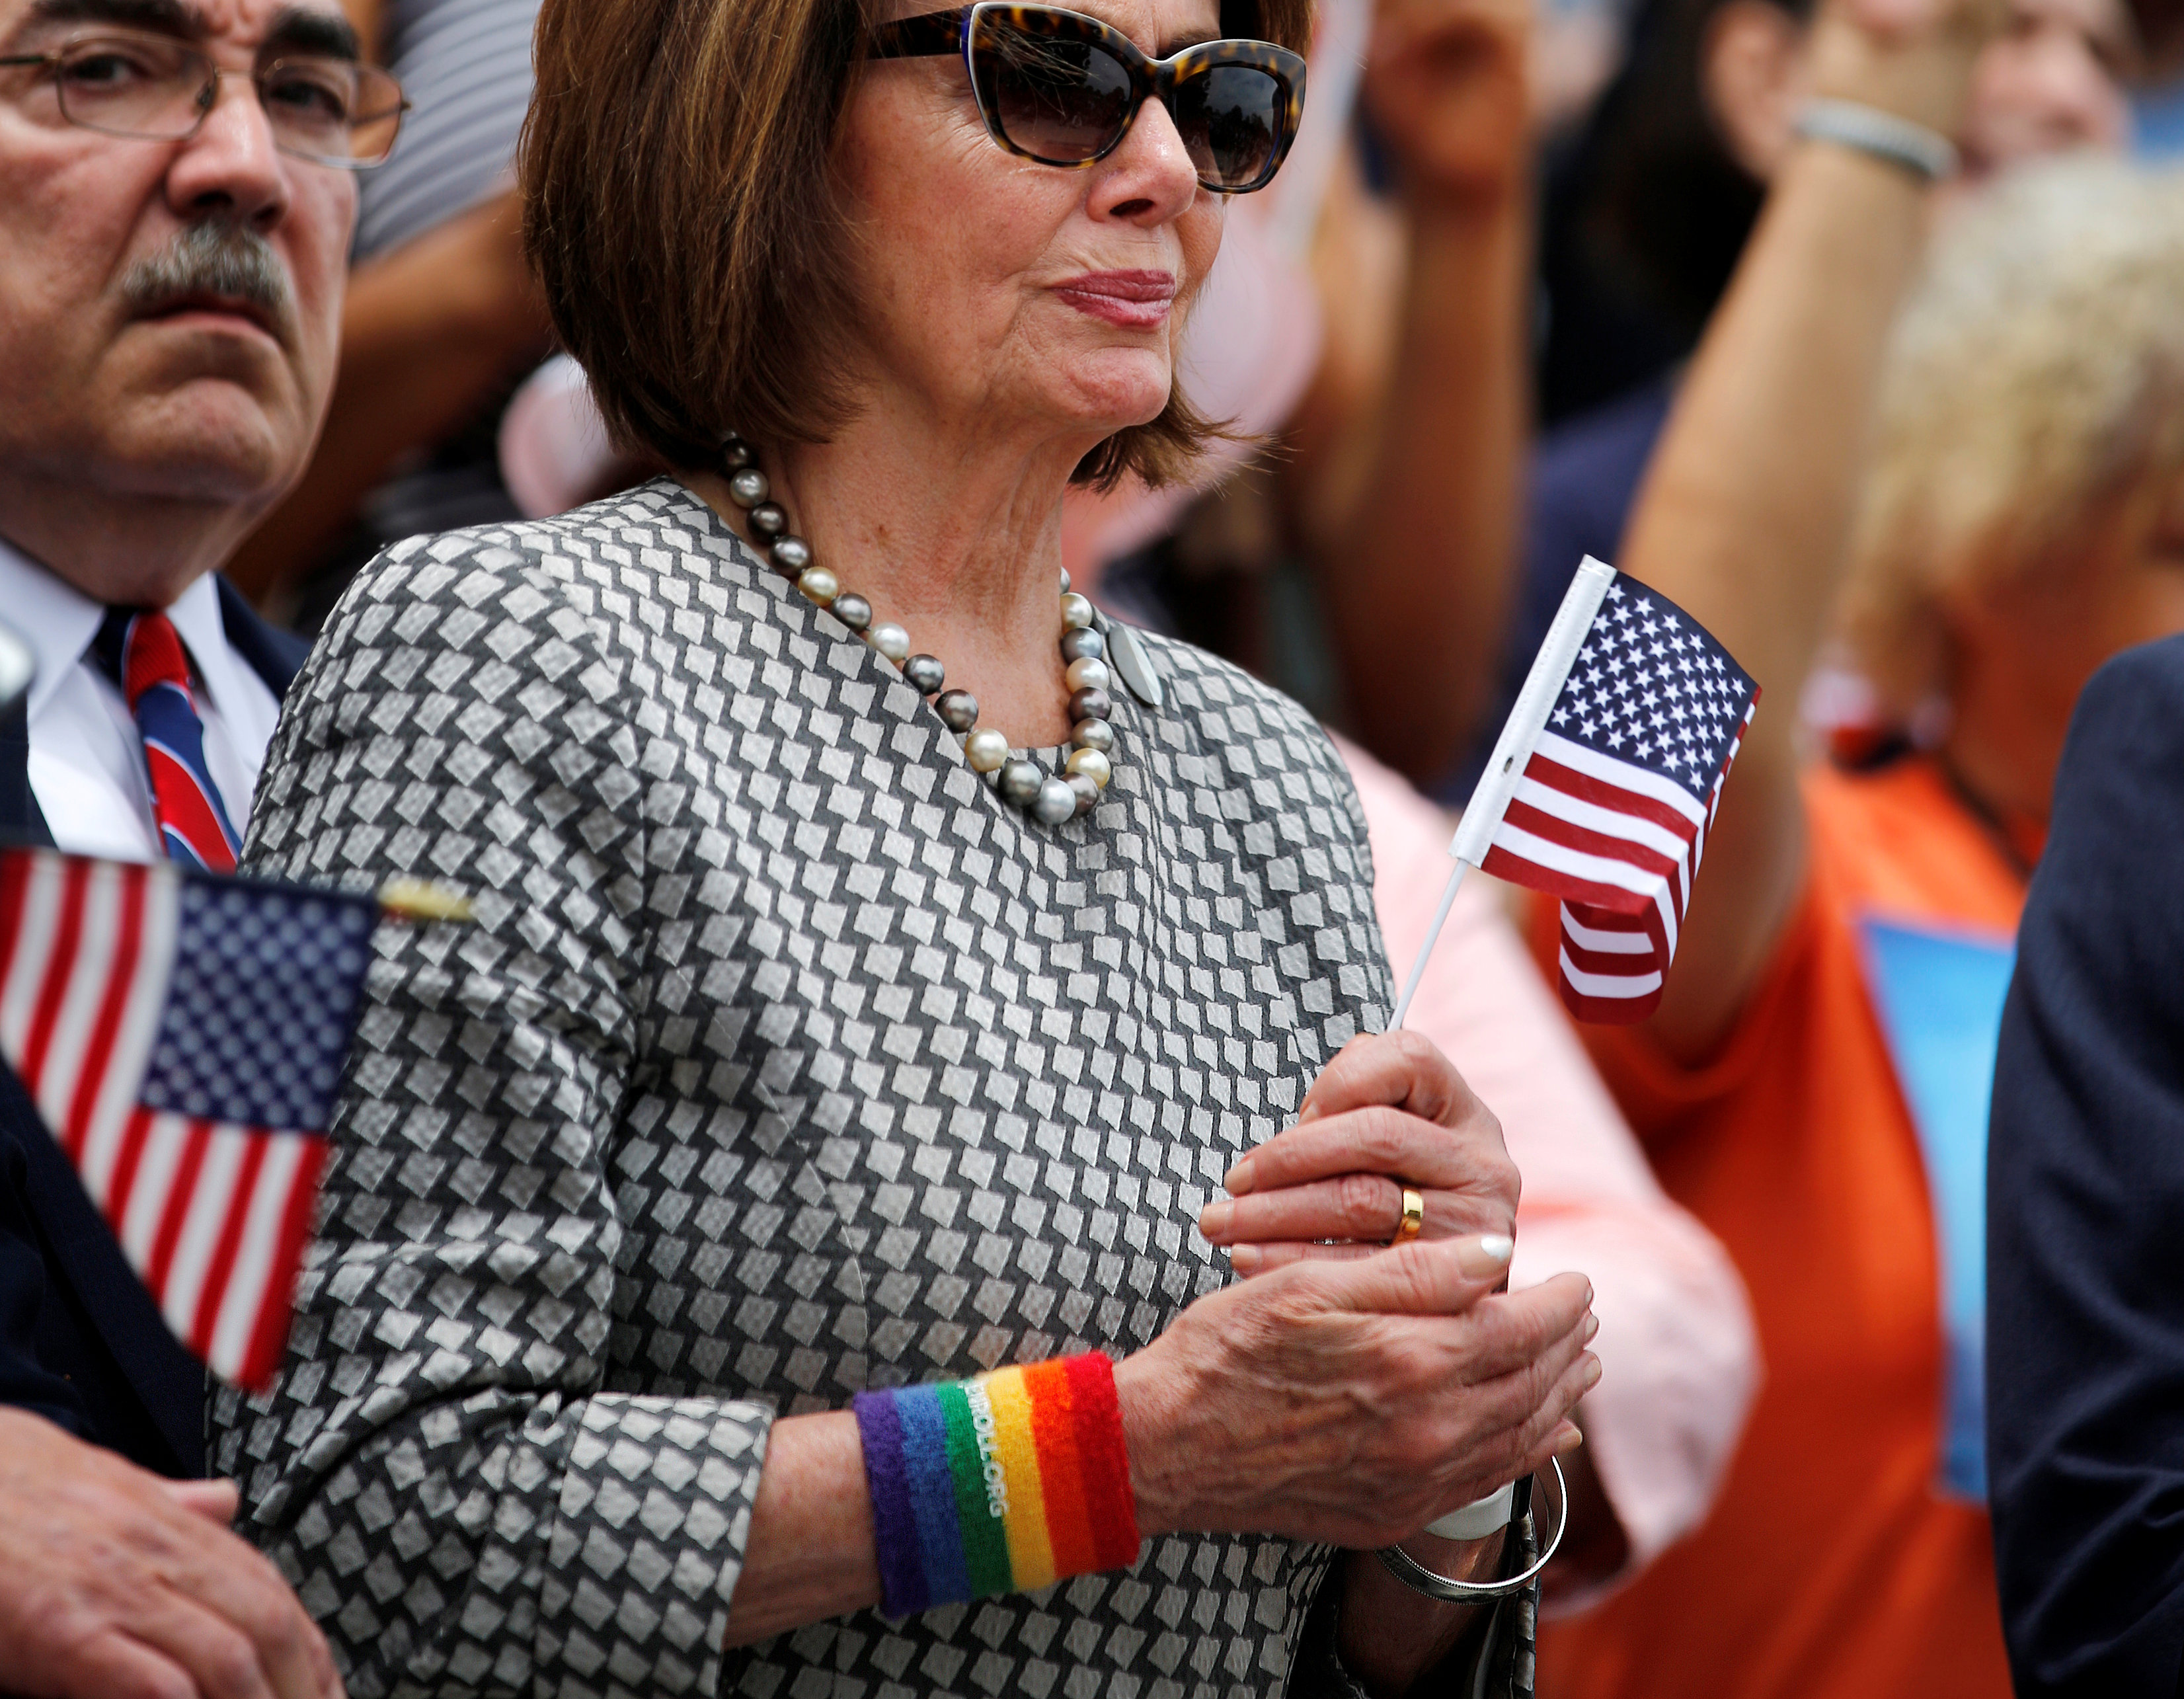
(58, 622)
(55, 618)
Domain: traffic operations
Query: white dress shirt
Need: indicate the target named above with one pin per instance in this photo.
(87, 767)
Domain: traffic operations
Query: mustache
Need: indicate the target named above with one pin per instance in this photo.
(217, 258)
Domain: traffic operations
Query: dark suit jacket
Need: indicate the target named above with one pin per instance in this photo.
(2085, 1214)
(81, 1341)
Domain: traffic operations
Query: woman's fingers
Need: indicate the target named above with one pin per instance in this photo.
(1405, 1071)
(1416, 1279)
(1361, 1211)
(1379, 1140)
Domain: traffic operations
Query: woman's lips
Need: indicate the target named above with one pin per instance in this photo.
(1136, 300)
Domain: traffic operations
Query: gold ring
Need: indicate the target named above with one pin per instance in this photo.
(1414, 1216)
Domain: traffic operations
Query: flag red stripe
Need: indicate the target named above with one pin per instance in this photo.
(1585, 788)
(1607, 1012)
(131, 1153)
(269, 1338)
(15, 888)
(60, 968)
(181, 1191)
(120, 980)
(1504, 863)
(1587, 841)
(230, 1238)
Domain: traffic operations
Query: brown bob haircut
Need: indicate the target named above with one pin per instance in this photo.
(679, 208)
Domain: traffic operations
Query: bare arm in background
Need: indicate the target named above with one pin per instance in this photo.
(1745, 512)
(1409, 457)
(432, 330)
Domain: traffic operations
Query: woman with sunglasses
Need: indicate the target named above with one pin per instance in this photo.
(760, 1250)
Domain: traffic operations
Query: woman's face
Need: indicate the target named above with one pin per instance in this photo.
(2124, 586)
(1009, 299)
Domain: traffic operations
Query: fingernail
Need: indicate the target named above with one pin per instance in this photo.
(1245, 1259)
(1592, 1327)
(1238, 1181)
(1591, 1373)
(1488, 1253)
(1213, 1221)
(1567, 1438)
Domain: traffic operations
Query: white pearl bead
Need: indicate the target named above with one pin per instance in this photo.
(1056, 803)
(818, 583)
(891, 639)
(985, 749)
(1093, 765)
(1076, 611)
(1088, 674)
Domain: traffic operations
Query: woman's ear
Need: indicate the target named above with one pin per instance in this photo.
(1752, 75)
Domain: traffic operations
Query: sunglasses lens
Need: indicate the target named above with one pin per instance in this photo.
(1055, 99)
(1231, 121)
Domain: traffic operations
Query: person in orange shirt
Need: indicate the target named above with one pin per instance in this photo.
(1813, 1087)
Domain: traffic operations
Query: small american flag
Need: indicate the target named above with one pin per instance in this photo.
(182, 1037)
(1613, 809)
(1604, 783)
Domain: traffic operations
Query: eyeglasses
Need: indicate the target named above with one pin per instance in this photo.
(1063, 89)
(331, 111)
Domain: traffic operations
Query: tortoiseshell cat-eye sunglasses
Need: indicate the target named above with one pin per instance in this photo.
(1063, 89)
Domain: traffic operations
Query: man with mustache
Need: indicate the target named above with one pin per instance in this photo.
(177, 193)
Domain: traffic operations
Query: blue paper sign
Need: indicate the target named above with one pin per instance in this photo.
(1939, 993)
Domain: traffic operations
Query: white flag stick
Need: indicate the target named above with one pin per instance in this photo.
(1513, 750)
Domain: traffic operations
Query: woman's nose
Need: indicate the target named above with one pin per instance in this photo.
(1151, 177)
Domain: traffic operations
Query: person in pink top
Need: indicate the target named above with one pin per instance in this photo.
(1678, 1353)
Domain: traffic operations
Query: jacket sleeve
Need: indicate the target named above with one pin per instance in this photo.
(443, 1470)
(2086, 1203)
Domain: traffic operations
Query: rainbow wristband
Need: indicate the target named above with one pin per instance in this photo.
(998, 1484)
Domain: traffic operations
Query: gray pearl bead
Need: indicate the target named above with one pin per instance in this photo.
(852, 610)
(959, 709)
(769, 518)
(1055, 804)
(925, 673)
(1083, 791)
(747, 488)
(1085, 645)
(791, 555)
(1090, 703)
(735, 454)
(1091, 734)
(1065, 581)
(1020, 781)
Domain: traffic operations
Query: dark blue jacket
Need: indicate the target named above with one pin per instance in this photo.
(2085, 1214)
(81, 1341)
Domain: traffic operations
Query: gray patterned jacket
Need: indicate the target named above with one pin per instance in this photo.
(783, 1060)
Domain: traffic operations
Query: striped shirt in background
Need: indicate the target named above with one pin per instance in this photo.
(466, 65)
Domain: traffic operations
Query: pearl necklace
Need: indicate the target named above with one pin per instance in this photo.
(1046, 797)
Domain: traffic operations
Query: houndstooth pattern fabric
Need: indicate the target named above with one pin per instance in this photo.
(783, 1060)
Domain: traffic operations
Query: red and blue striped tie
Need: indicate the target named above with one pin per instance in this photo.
(143, 653)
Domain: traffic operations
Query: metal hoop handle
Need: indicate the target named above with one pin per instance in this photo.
(1415, 1576)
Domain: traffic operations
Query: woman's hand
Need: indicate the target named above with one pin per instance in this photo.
(1391, 1110)
(1355, 1401)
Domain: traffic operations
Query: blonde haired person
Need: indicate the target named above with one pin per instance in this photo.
(2029, 439)
(1984, 501)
